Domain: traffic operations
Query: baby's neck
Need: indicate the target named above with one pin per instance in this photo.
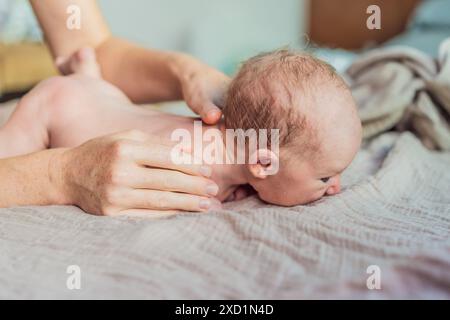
(227, 176)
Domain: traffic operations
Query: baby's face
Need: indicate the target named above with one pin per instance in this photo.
(313, 109)
(301, 181)
(297, 184)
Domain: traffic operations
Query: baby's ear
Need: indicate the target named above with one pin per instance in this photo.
(263, 163)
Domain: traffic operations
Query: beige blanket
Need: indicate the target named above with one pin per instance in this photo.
(402, 88)
(394, 213)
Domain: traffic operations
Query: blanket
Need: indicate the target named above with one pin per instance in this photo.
(403, 88)
(393, 213)
(386, 235)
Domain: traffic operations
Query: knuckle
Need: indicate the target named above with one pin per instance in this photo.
(119, 148)
(197, 184)
(165, 184)
(117, 176)
(111, 195)
(171, 181)
(162, 202)
(135, 134)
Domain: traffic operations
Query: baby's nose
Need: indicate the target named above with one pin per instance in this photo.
(338, 184)
(335, 186)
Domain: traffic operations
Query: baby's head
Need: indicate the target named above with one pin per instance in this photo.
(319, 129)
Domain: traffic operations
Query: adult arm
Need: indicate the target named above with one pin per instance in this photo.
(145, 75)
(30, 179)
(111, 175)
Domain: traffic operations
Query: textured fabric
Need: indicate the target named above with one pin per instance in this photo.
(403, 88)
(394, 212)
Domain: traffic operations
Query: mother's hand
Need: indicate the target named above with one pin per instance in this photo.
(203, 87)
(132, 173)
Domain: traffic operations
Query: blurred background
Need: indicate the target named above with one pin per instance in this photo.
(223, 33)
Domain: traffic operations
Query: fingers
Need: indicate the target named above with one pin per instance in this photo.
(149, 140)
(159, 156)
(135, 135)
(147, 213)
(208, 100)
(210, 113)
(165, 180)
(162, 200)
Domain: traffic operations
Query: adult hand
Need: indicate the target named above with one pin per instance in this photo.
(132, 173)
(203, 88)
(144, 75)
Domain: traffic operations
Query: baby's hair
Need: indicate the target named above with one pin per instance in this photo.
(272, 91)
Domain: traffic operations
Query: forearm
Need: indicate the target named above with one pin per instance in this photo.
(62, 41)
(33, 179)
(145, 75)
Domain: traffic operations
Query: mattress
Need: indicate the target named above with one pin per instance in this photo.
(393, 213)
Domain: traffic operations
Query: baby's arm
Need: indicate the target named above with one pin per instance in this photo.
(25, 131)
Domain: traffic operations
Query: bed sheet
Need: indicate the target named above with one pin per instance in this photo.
(394, 213)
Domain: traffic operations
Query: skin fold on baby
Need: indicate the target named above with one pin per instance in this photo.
(298, 94)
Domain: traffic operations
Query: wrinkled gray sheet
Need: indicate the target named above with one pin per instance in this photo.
(394, 212)
(405, 89)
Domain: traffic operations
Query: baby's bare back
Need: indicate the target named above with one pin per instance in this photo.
(94, 108)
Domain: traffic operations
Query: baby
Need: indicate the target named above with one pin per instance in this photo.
(303, 97)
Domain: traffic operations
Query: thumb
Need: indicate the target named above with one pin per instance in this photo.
(210, 113)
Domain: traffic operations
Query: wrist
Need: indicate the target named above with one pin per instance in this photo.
(59, 178)
(175, 63)
(182, 66)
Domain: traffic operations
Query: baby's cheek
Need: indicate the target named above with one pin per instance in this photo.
(307, 195)
(318, 195)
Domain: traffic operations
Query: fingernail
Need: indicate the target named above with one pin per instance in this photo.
(213, 114)
(205, 204)
(206, 171)
(211, 117)
(212, 189)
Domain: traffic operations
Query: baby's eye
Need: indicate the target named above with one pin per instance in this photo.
(325, 180)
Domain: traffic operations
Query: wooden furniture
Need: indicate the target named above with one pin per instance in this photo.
(22, 65)
(342, 23)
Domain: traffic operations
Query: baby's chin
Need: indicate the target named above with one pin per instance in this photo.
(284, 201)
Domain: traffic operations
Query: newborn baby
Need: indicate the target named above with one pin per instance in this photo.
(303, 97)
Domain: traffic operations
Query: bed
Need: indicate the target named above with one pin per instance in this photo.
(392, 221)
(394, 213)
